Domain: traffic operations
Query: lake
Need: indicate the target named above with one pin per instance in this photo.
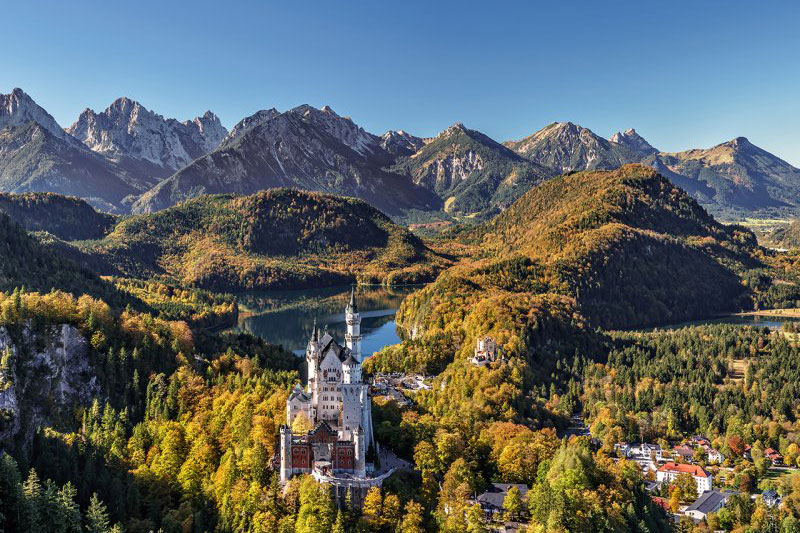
(287, 317)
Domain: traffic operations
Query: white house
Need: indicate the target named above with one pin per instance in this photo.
(669, 471)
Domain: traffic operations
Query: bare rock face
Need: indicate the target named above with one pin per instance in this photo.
(44, 376)
(400, 143)
(633, 141)
(126, 129)
(248, 123)
(18, 109)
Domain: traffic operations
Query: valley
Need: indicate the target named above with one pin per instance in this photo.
(163, 326)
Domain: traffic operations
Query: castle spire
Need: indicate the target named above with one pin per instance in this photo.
(352, 307)
(315, 331)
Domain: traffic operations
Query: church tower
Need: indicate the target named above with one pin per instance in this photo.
(353, 319)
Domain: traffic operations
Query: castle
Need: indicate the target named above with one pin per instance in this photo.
(336, 403)
(486, 351)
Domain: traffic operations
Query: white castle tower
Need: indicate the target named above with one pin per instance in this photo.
(353, 337)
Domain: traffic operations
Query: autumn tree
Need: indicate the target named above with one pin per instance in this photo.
(512, 503)
(412, 519)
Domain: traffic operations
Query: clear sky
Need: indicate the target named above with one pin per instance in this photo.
(684, 74)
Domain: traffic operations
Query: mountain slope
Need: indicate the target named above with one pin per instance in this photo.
(145, 142)
(65, 217)
(567, 147)
(734, 175)
(610, 249)
(32, 159)
(305, 148)
(280, 238)
(470, 171)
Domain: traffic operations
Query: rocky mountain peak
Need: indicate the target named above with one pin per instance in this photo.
(18, 108)
(127, 129)
(248, 123)
(632, 140)
(740, 142)
(343, 129)
(455, 129)
(400, 143)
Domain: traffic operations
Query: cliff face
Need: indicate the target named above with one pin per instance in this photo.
(45, 374)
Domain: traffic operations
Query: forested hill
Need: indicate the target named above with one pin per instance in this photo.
(27, 263)
(280, 238)
(786, 236)
(66, 217)
(614, 249)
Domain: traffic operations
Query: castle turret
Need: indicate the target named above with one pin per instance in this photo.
(353, 319)
(286, 453)
(360, 445)
(351, 370)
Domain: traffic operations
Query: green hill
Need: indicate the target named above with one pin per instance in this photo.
(609, 249)
(66, 217)
(30, 264)
(280, 238)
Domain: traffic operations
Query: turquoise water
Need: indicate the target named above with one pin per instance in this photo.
(287, 317)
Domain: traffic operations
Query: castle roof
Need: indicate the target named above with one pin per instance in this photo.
(328, 344)
(350, 359)
(352, 307)
(299, 394)
(322, 425)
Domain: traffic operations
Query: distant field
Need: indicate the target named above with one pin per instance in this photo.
(765, 223)
(776, 313)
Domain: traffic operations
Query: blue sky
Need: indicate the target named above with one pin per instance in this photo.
(684, 75)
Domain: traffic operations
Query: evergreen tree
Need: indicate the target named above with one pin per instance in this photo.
(70, 511)
(97, 516)
(32, 495)
(339, 525)
(10, 493)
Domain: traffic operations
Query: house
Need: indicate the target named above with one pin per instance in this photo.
(623, 449)
(714, 456)
(774, 456)
(646, 455)
(699, 440)
(709, 501)
(669, 471)
(492, 500)
(771, 498)
(684, 452)
(647, 450)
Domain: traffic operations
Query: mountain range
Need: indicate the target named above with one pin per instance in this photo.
(128, 158)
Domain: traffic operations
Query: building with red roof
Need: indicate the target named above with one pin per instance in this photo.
(669, 471)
